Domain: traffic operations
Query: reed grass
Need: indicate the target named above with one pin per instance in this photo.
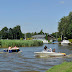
(20, 43)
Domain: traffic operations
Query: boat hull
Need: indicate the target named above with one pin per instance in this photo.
(65, 42)
(11, 50)
(49, 54)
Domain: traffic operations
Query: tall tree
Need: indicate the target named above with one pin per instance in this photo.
(4, 33)
(17, 34)
(41, 32)
(65, 26)
(10, 34)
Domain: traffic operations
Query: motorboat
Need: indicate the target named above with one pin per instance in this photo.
(49, 54)
(65, 42)
(12, 50)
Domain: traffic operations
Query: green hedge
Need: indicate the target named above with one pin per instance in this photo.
(20, 43)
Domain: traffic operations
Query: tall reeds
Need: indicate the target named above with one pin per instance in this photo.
(20, 43)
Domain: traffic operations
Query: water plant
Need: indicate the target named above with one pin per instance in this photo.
(20, 43)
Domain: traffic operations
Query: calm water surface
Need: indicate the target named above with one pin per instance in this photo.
(27, 62)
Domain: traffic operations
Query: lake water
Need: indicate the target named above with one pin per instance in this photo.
(27, 62)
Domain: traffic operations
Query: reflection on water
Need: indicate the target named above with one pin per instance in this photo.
(27, 62)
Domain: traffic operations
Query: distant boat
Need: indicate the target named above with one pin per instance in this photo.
(65, 42)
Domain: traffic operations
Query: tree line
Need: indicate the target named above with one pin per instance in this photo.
(11, 33)
(16, 33)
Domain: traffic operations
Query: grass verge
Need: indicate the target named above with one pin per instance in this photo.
(64, 67)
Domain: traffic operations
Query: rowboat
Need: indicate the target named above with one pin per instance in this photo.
(49, 54)
(12, 50)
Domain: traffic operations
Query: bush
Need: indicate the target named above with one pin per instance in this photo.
(59, 39)
(70, 40)
(21, 38)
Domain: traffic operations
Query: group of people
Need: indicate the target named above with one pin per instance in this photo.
(10, 48)
(48, 50)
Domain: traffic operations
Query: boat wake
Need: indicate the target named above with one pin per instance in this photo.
(1, 52)
(70, 55)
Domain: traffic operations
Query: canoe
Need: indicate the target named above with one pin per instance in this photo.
(49, 54)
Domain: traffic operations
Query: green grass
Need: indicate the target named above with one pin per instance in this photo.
(64, 67)
(70, 40)
(20, 43)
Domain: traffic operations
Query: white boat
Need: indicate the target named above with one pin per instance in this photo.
(49, 54)
(65, 42)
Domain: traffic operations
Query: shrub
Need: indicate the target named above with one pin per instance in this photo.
(70, 40)
(59, 39)
(21, 38)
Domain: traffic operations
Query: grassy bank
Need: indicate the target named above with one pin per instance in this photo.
(20, 43)
(70, 40)
(64, 67)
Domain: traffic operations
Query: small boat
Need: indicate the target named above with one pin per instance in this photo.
(12, 50)
(49, 54)
(65, 42)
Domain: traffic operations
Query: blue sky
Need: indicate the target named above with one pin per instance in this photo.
(33, 15)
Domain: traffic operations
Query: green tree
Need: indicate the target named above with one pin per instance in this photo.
(17, 34)
(65, 26)
(10, 34)
(28, 35)
(41, 32)
(4, 33)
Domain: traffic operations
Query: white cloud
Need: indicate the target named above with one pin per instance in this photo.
(62, 2)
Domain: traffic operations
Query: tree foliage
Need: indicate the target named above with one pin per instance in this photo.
(11, 33)
(65, 26)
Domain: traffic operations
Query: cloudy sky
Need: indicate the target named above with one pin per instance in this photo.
(33, 15)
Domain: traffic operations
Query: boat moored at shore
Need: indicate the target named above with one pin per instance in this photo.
(65, 42)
